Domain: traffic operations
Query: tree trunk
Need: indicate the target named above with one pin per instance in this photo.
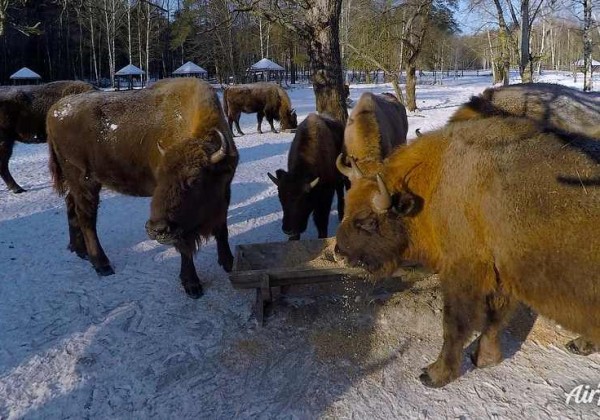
(525, 67)
(587, 45)
(504, 38)
(411, 85)
(323, 25)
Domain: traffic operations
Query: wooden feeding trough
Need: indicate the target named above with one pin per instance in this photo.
(283, 264)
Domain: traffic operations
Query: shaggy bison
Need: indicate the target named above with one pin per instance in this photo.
(266, 99)
(23, 117)
(554, 106)
(311, 180)
(170, 142)
(483, 203)
(377, 124)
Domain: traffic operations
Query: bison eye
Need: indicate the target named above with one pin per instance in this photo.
(369, 225)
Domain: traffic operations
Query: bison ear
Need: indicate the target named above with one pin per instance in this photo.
(406, 204)
(272, 178)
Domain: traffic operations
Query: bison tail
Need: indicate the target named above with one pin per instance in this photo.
(60, 185)
(225, 105)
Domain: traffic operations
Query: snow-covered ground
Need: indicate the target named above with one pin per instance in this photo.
(133, 345)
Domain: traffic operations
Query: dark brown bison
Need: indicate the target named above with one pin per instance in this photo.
(554, 106)
(484, 203)
(312, 179)
(266, 99)
(23, 117)
(170, 142)
(377, 125)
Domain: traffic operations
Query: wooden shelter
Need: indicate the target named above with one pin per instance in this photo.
(129, 72)
(190, 69)
(265, 70)
(25, 75)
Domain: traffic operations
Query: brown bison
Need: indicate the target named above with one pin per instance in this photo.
(23, 117)
(484, 203)
(266, 99)
(169, 142)
(553, 105)
(311, 180)
(377, 124)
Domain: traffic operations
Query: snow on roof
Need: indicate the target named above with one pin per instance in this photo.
(580, 62)
(190, 68)
(130, 70)
(25, 73)
(266, 64)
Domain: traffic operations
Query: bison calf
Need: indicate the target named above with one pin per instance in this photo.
(504, 211)
(266, 99)
(311, 180)
(169, 142)
(23, 117)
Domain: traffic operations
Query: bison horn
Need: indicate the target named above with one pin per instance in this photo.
(220, 154)
(352, 172)
(314, 183)
(382, 201)
(161, 149)
(272, 178)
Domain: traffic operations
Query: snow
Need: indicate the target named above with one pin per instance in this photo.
(63, 112)
(25, 73)
(132, 345)
(190, 68)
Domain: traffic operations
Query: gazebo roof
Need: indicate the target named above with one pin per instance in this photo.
(266, 64)
(580, 62)
(25, 73)
(130, 70)
(190, 68)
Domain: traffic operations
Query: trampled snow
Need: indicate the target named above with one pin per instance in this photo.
(133, 345)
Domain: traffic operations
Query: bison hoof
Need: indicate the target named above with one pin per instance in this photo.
(193, 290)
(582, 347)
(107, 270)
(434, 377)
(227, 264)
(81, 253)
(18, 190)
(294, 238)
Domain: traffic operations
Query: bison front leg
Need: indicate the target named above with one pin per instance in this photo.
(225, 257)
(498, 312)
(461, 309)
(86, 197)
(6, 149)
(323, 201)
(189, 277)
(270, 120)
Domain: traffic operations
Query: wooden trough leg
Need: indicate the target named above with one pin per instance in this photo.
(263, 298)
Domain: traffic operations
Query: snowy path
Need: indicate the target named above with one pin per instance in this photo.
(73, 345)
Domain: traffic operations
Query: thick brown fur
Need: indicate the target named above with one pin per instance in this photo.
(554, 106)
(266, 99)
(485, 203)
(155, 142)
(376, 126)
(23, 117)
(316, 145)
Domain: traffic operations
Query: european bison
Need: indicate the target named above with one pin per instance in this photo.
(484, 203)
(266, 99)
(170, 142)
(23, 117)
(377, 124)
(553, 105)
(309, 185)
